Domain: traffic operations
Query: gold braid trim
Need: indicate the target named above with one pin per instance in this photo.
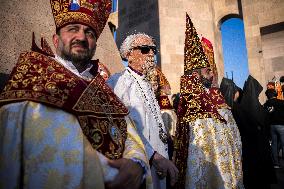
(181, 144)
(77, 17)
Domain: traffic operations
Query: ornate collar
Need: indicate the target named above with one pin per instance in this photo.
(68, 64)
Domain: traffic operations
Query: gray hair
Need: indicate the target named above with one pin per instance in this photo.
(127, 43)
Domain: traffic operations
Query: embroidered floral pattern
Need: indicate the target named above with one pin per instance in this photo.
(92, 13)
(40, 78)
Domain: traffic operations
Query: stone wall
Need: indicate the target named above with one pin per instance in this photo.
(20, 18)
(261, 50)
(273, 55)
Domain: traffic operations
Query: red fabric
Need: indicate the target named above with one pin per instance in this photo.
(195, 102)
(164, 102)
(93, 13)
(39, 78)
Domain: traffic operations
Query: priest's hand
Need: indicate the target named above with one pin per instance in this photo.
(164, 167)
(129, 176)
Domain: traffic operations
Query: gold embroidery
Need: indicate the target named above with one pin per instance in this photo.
(60, 132)
(71, 157)
(165, 102)
(194, 57)
(74, 17)
(53, 179)
(40, 78)
(99, 130)
(94, 14)
(36, 132)
(47, 155)
(192, 96)
(98, 98)
(87, 5)
(36, 75)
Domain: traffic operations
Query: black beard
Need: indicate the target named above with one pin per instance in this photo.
(83, 56)
(206, 82)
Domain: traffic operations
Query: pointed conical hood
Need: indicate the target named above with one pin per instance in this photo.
(194, 57)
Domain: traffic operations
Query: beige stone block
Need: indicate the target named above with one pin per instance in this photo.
(253, 42)
(230, 2)
(259, 7)
(172, 72)
(173, 12)
(277, 63)
(176, 58)
(247, 2)
(278, 15)
(170, 48)
(273, 52)
(254, 65)
(273, 40)
(218, 4)
(166, 57)
(18, 21)
(248, 29)
(252, 20)
(247, 11)
(269, 73)
(180, 49)
(163, 10)
(264, 20)
(254, 52)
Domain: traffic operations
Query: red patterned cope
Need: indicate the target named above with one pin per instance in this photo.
(195, 103)
(40, 78)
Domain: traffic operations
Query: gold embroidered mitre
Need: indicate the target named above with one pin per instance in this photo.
(93, 13)
(194, 57)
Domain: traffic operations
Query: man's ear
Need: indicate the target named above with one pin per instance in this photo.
(55, 39)
(128, 57)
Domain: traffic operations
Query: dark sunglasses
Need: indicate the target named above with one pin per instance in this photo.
(145, 49)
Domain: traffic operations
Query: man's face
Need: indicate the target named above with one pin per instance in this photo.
(195, 73)
(75, 42)
(141, 54)
(207, 76)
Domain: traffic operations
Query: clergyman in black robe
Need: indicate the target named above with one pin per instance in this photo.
(252, 122)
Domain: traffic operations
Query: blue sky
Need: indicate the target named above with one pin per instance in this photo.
(114, 5)
(234, 50)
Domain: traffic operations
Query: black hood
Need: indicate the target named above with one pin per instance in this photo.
(250, 101)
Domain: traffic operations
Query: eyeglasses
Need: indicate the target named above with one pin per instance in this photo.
(145, 49)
